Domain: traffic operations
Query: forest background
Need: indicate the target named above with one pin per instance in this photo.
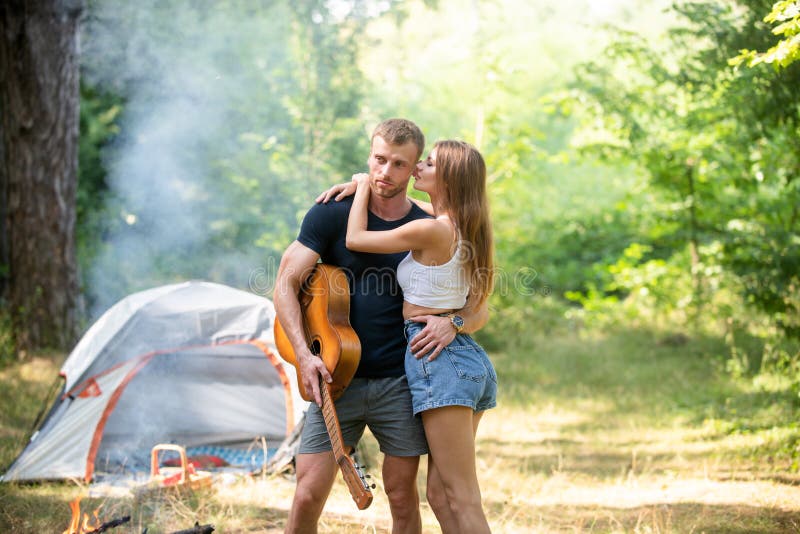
(639, 173)
(643, 158)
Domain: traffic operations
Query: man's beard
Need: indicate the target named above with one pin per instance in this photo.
(385, 192)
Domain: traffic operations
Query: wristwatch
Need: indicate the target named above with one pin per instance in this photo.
(457, 321)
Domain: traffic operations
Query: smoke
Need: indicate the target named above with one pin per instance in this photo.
(187, 72)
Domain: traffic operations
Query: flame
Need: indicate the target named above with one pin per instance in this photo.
(78, 526)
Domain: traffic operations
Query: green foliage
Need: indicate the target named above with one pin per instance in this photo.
(786, 13)
(657, 187)
(99, 115)
(717, 147)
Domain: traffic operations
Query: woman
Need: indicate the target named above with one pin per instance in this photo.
(449, 264)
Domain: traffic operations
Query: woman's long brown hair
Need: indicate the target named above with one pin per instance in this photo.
(462, 173)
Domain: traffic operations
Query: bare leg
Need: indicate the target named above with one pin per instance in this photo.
(315, 475)
(451, 438)
(437, 499)
(400, 483)
(436, 493)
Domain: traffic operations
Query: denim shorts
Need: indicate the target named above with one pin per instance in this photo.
(461, 375)
(383, 404)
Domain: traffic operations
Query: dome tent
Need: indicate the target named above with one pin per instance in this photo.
(191, 363)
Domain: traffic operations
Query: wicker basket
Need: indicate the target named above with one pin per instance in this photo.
(184, 476)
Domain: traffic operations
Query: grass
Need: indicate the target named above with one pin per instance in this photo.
(594, 432)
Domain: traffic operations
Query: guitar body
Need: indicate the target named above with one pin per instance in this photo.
(325, 306)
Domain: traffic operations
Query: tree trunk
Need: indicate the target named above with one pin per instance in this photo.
(40, 97)
(694, 246)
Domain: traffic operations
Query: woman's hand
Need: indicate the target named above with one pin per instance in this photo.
(361, 178)
(337, 192)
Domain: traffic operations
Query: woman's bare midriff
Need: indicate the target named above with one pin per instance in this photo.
(412, 310)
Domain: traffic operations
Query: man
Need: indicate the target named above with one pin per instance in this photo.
(378, 396)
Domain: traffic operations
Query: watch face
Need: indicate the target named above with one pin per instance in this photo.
(458, 322)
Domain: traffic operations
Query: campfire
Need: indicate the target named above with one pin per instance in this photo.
(93, 524)
(182, 475)
(87, 524)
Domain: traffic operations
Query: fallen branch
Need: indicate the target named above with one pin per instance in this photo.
(197, 529)
(110, 524)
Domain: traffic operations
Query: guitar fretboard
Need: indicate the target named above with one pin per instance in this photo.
(331, 420)
(351, 473)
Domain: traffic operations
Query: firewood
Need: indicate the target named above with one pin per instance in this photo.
(196, 529)
(110, 524)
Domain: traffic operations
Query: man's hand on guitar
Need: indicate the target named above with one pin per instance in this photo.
(311, 367)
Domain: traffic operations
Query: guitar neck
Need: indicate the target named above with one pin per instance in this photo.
(332, 421)
(352, 474)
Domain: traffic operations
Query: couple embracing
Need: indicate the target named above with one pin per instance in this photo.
(422, 383)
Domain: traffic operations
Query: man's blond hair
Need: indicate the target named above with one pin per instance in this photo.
(400, 132)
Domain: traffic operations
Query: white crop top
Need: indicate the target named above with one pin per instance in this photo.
(434, 286)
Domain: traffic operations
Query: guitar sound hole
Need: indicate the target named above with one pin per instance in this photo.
(315, 347)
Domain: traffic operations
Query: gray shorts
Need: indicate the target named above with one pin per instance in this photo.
(382, 404)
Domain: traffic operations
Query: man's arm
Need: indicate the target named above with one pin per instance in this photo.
(439, 331)
(297, 264)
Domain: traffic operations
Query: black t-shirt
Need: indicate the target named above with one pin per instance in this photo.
(376, 301)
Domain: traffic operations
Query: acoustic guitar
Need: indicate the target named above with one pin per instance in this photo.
(325, 307)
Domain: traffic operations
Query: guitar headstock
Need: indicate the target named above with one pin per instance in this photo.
(356, 482)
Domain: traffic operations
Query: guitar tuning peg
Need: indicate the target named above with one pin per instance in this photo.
(372, 486)
(368, 476)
